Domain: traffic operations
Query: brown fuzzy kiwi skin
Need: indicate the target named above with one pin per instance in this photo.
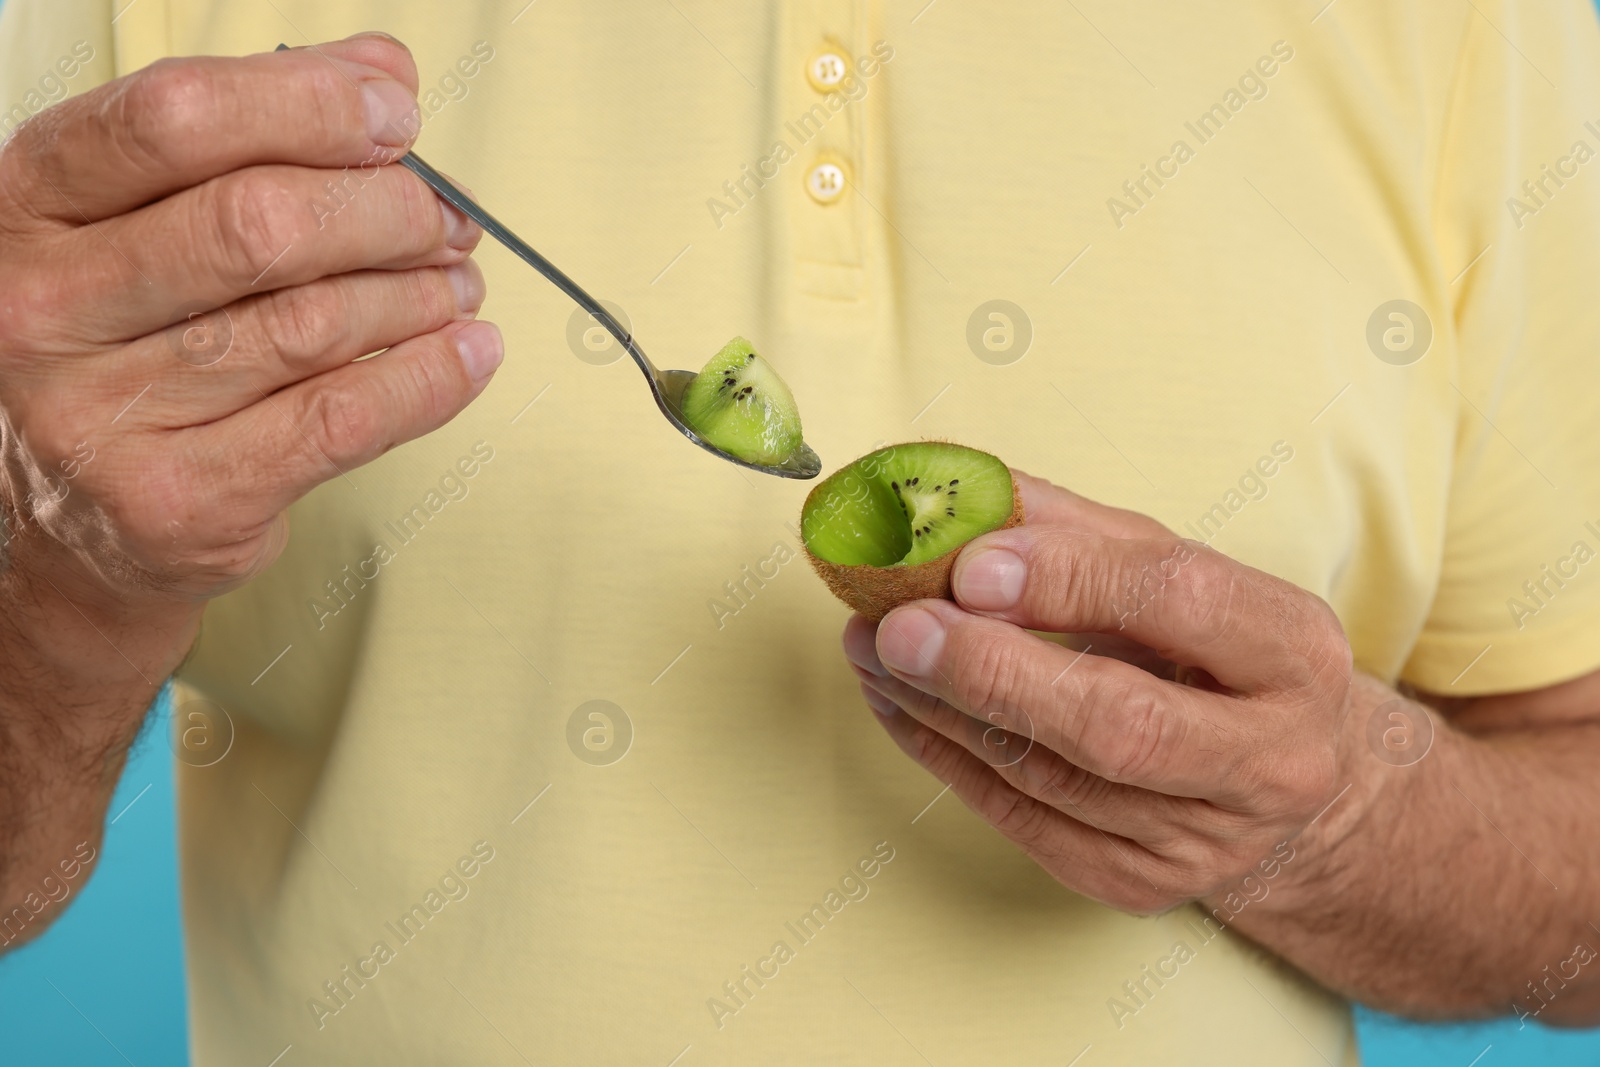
(876, 591)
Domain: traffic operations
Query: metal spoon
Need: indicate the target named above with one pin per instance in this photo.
(666, 386)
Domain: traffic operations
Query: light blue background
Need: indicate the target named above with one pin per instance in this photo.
(105, 985)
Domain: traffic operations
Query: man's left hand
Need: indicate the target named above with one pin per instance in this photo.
(1190, 724)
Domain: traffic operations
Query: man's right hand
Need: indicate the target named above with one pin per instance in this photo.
(193, 259)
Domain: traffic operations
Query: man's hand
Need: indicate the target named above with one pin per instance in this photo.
(1202, 738)
(193, 259)
(1142, 786)
(158, 448)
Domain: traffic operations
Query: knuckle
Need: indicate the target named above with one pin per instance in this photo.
(925, 744)
(1050, 783)
(1317, 653)
(1209, 594)
(301, 324)
(1199, 865)
(1059, 782)
(331, 102)
(1091, 709)
(1332, 655)
(428, 295)
(433, 386)
(922, 706)
(1089, 791)
(988, 676)
(1061, 580)
(417, 207)
(340, 423)
(1141, 728)
(257, 219)
(1163, 837)
(29, 144)
(164, 109)
(1020, 818)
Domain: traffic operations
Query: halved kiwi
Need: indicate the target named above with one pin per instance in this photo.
(884, 530)
(740, 405)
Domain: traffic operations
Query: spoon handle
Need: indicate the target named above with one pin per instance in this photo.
(500, 232)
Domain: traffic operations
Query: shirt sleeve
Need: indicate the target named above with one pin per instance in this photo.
(1517, 214)
(50, 50)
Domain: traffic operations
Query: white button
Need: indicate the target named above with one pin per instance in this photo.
(826, 70)
(825, 183)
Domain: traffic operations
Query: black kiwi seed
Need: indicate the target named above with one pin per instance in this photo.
(955, 481)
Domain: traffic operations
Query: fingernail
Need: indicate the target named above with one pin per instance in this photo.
(376, 33)
(467, 282)
(867, 660)
(909, 641)
(878, 702)
(481, 349)
(459, 231)
(392, 115)
(990, 580)
(860, 648)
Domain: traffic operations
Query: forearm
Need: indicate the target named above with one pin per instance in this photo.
(1462, 885)
(77, 674)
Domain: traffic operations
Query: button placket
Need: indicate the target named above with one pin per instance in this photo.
(825, 127)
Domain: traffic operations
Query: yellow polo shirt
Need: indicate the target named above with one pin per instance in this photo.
(542, 749)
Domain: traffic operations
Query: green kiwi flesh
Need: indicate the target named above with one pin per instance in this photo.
(739, 404)
(906, 504)
(884, 529)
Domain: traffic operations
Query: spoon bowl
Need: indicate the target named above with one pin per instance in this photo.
(668, 386)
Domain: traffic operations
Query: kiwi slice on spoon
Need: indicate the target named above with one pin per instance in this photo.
(739, 404)
(884, 529)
